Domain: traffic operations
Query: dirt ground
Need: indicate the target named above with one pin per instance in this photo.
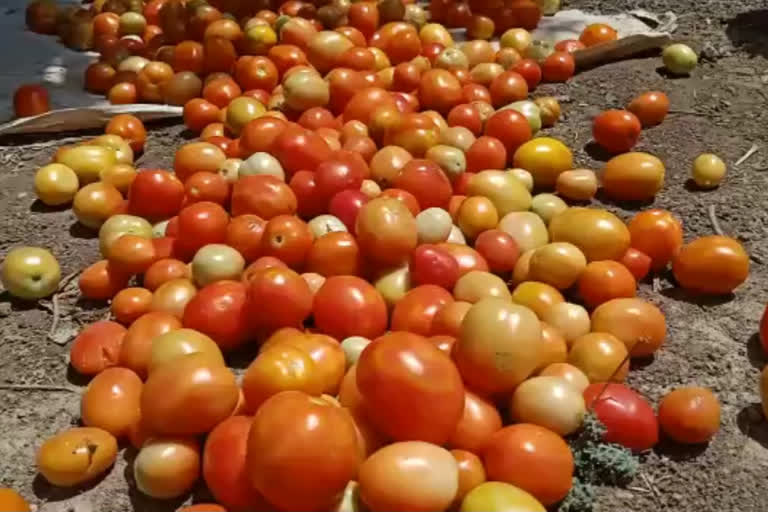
(721, 108)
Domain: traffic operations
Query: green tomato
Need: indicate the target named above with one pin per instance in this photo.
(217, 262)
(679, 59)
(353, 347)
(531, 111)
(30, 273)
(499, 497)
(547, 206)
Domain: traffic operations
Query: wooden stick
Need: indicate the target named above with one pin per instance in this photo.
(619, 49)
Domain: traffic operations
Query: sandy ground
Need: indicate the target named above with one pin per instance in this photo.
(721, 108)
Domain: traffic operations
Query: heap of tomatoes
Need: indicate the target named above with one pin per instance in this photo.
(358, 215)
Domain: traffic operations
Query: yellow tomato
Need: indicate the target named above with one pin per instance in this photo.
(633, 176)
(598, 233)
(435, 33)
(499, 497)
(545, 158)
(56, 184)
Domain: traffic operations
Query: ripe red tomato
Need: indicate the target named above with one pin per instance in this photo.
(616, 130)
(304, 187)
(202, 224)
(155, 194)
(510, 127)
(467, 258)
(410, 389)
(638, 263)
(349, 306)
(508, 87)
(244, 234)
(364, 16)
(97, 347)
(478, 423)
(650, 108)
(346, 205)
(499, 249)
(598, 33)
(278, 297)
(466, 115)
(405, 197)
(486, 153)
(363, 103)
(334, 176)
(431, 265)
(298, 148)
(287, 238)
(224, 465)
(439, 90)
(628, 417)
(558, 67)
(219, 310)
(530, 70)
(426, 181)
(262, 195)
(31, 100)
(416, 310)
(302, 451)
(260, 135)
(335, 254)
(207, 186)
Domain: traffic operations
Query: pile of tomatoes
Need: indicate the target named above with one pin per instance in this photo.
(426, 333)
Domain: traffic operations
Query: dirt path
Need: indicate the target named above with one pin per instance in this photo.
(721, 109)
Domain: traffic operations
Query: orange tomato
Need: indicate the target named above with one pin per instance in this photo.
(333, 254)
(417, 309)
(558, 67)
(690, 415)
(711, 265)
(479, 421)
(471, 472)
(131, 303)
(508, 87)
(658, 234)
(131, 254)
(447, 320)
(650, 107)
(102, 281)
(111, 401)
(164, 270)
(97, 347)
(597, 33)
(11, 501)
(136, 349)
(602, 281)
(130, 128)
(616, 130)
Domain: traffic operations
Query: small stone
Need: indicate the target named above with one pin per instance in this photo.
(5, 309)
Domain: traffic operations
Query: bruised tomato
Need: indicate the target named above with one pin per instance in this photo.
(97, 347)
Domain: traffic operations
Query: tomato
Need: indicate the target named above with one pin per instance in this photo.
(439, 90)
(558, 67)
(426, 181)
(600, 235)
(510, 127)
(167, 467)
(260, 134)
(10, 500)
(199, 113)
(398, 40)
(499, 497)
(415, 312)
(637, 262)
(486, 153)
(97, 347)
(532, 458)
(422, 400)
(326, 353)
(711, 265)
(466, 115)
(690, 415)
(201, 224)
(334, 176)
(130, 303)
(288, 446)
(75, 456)
(131, 254)
(658, 234)
(364, 16)
(349, 306)
(135, 351)
(386, 231)
(262, 195)
(278, 297)
(190, 396)
(31, 100)
(616, 130)
(164, 270)
(288, 238)
(393, 478)
(598, 33)
(244, 233)
(430, 265)
(479, 421)
(364, 103)
(224, 465)
(650, 108)
(300, 149)
(102, 281)
(530, 70)
(628, 418)
(335, 253)
(602, 281)
(569, 45)
(219, 310)
(508, 87)
(111, 401)
(499, 249)
(467, 258)
(346, 206)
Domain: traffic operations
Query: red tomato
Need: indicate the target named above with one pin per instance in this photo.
(510, 127)
(219, 310)
(318, 117)
(259, 135)
(486, 153)
(476, 92)
(335, 254)
(616, 130)
(530, 70)
(31, 100)
(411, 390)
(224, 465)
(499, 249)
(508, 87)
(416, 310)
(638, 263)
(278, 297)
(97, 347)
(298, 148)
(346, 205)
(262, 195)
(558, 67)
(532, 458)
(386, 231)
(207, 186)
(202, 224)
(349, 306)
(364, 16)
(344, 84)
(432, 50)
(439, 90)
(479, 421)
(155, 194)
(431, 265)
(334, 176)
(467, 258)
(302, 451)
(628, 417)
(466, 115)
(287, 238)
(657, 233)
(598, 33)
(304, 187)
(426, 181)
(365, 102)
(244, 234)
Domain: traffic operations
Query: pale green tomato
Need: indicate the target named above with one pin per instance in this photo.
(305, 89)
(217, 262)
(450, 159)
(324, 224)
(499, 497)
(394, 284)
(531, 112)
(547, 206)
(353, 347)
(456, 236)
(30, 273)
(132, 23)
(262, 163)
(523, 177)
(708, 170)
(540, 50)
(452, 59)
(119, 225)
(527, 228)
(230, 169)
(434, 225)
(158, 230)
(679, 59)
(133, 63)
(56, 184)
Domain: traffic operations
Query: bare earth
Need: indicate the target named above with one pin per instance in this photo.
(721, 108)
